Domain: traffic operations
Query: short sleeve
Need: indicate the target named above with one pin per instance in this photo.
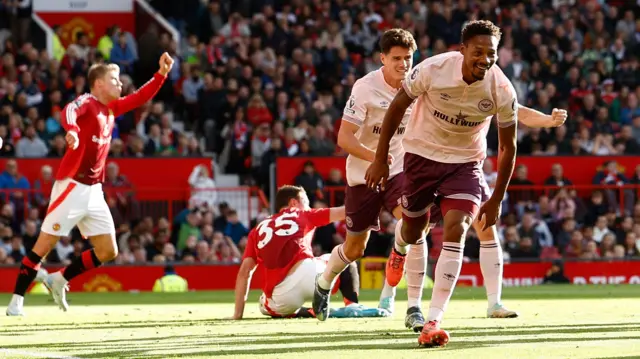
(418, 80)
(355, 111)
(252, 244)
(507, 103)
(318, 217)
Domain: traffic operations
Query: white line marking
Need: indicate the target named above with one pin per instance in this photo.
(35, 354)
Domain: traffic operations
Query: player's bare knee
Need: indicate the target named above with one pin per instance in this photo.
(412, 229)
(456, 225)
(106, 254)
(355, 244)
(354, 250)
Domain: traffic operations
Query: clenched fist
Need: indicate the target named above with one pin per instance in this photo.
(166, 63)
(558, 117)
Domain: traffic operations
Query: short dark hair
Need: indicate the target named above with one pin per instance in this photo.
(397, 37)
(478, 28)
(285, 194)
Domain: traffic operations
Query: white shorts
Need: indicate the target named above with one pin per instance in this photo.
(296, 289)
(73, 203)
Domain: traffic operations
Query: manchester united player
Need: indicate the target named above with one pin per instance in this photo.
(77, 197)
(281, 244)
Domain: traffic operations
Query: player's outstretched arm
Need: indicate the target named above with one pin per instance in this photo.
(147, 91)
(247, 268)
(532, 118)
(337, 214)
(378, 171)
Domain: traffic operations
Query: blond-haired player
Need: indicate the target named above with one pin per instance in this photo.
(77, 197)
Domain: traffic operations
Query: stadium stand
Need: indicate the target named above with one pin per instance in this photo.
(258, 81)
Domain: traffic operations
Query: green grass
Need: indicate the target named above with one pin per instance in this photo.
(555, 322)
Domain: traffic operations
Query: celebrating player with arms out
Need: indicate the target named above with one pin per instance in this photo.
(77, 197)
(359, 132)
(457, 95)
(281, 244)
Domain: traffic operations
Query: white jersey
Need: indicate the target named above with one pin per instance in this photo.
(451, 118)
(370, 98)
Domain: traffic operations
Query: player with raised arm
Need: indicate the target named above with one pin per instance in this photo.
(77, 197)
(457, 94)
(281, 244)
(358, 135)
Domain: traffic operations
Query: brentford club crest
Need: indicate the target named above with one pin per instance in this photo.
(349, 222)
(485, 105)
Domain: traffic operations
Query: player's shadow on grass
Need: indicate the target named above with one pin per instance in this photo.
(170, 342)
(586, 327)
(133, 352)
(128, 325)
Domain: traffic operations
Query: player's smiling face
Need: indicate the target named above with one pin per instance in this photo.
(480, 53)
(399, 60)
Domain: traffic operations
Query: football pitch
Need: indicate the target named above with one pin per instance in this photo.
(555, 322)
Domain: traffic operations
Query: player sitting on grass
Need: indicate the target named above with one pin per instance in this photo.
(281, 244)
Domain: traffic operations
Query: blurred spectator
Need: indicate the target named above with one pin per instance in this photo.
(31, 145)
(610, 176)
(234, 229)
(122, 55)
(120, 193)
(334, 182)
(203, 187)
(190, 228)
(311, 181)
(11, 179)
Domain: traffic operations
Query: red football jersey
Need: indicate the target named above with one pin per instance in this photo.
(282, 240)
(94, 121)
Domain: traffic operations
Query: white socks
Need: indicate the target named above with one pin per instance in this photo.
(387, 291)
(415, 269)
(445, 278)
(491, 264)
(337, 263)
(399, 244)
(17, 300)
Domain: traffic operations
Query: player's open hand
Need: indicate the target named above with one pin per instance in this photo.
(377, 174)
(72, 140)
(166, 63)
(489, 213)
(558, 117)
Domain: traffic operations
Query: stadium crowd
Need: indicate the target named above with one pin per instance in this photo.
(257, 80)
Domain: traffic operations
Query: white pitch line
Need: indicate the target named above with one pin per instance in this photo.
(34, 354)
